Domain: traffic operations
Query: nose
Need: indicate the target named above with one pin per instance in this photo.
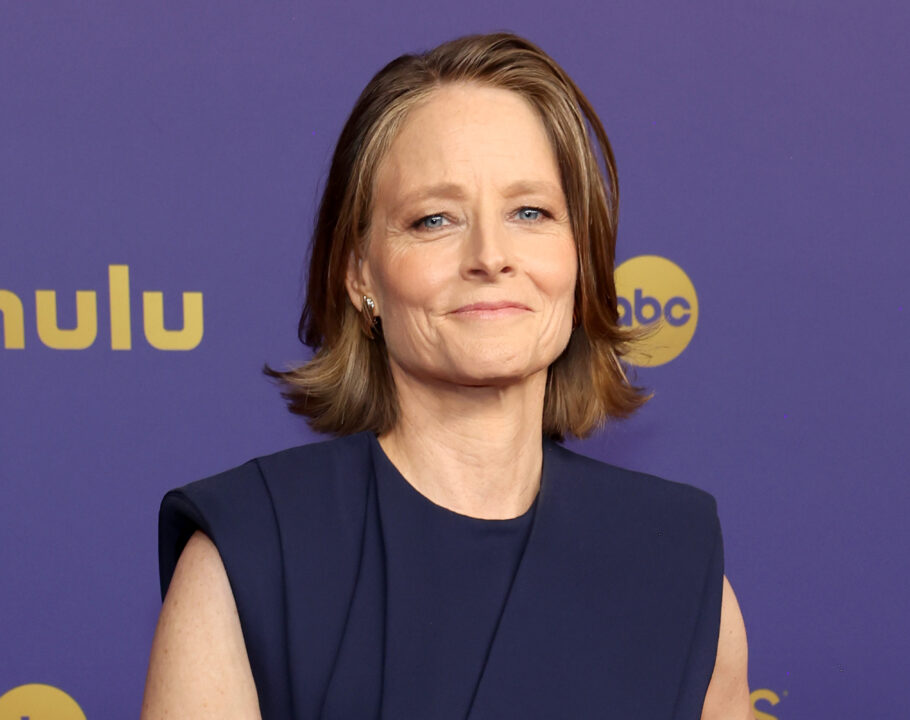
(488, 251)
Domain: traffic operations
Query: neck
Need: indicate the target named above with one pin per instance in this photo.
(477, 451)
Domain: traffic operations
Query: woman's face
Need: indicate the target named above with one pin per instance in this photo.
(470, 258)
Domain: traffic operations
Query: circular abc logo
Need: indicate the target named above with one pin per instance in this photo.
(656, 294)
(39, 702)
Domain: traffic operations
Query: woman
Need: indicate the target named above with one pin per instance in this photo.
(444, 557)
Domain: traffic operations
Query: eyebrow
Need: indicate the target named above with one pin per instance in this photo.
(454, 191)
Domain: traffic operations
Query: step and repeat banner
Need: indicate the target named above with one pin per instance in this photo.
(160, 166)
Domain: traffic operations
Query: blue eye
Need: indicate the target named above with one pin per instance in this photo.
(431, 222)
(532, 213)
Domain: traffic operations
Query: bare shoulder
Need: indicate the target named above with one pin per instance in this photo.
(199, 666)
(728, 692)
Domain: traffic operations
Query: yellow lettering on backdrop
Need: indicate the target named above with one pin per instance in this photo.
(84, 334)
(13, 320)
(80, 337)
(764, 694)
(153, 316)
(655, 293)
(118, 277)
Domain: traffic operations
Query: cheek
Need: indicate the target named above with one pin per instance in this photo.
(411, 282)
(412, 285)
(558, 272)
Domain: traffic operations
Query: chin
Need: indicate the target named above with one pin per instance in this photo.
(489, 362)
(497, 370)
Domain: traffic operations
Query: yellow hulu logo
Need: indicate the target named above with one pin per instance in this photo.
(86, 330)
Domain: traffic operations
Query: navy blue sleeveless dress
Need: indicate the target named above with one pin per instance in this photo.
(360, 598)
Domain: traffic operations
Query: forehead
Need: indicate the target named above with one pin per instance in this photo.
(468, 134)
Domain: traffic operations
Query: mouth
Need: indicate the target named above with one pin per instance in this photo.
(504, 308)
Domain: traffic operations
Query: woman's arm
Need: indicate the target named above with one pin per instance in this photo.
(728, 692)
(199, 666)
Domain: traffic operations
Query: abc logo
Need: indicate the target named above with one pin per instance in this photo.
(39, 702)
(656, 293)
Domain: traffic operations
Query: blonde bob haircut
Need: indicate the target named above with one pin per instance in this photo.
(347, 386)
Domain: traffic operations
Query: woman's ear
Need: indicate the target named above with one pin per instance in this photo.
(357, 280)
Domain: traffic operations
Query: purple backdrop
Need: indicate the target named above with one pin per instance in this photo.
(762, 147)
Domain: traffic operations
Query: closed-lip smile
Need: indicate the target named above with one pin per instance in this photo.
(503, 307)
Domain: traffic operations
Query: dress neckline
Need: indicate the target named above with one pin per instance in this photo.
(388, 469)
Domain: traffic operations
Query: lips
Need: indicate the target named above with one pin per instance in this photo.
(502, 307)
